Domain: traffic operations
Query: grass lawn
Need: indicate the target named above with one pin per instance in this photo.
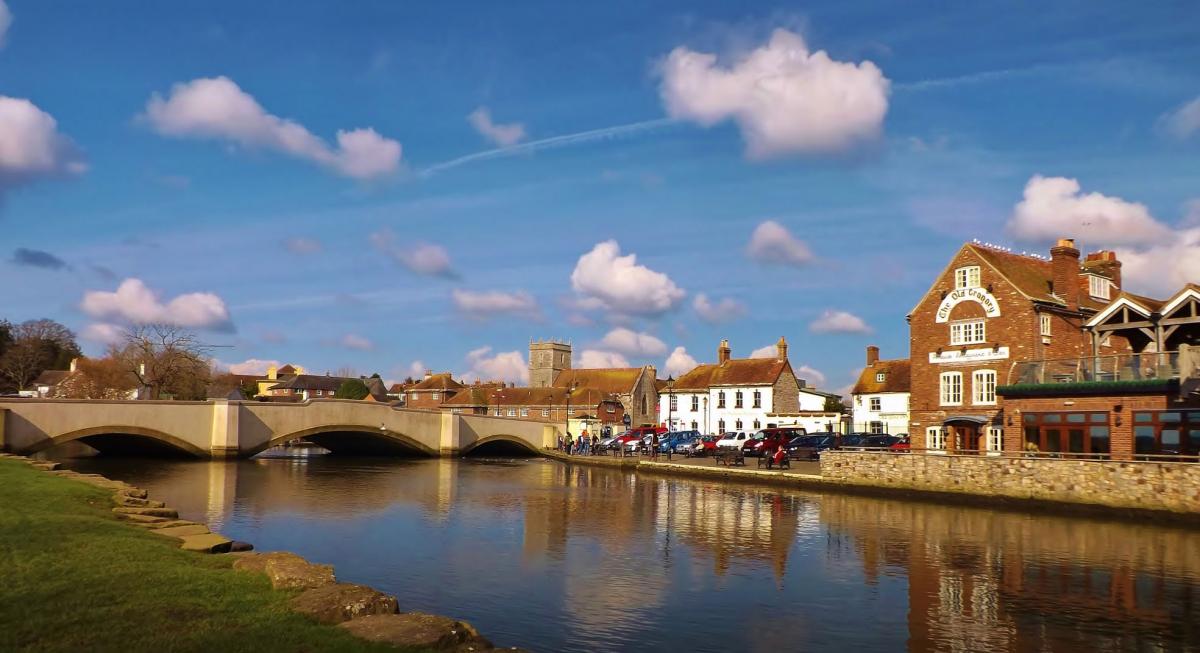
(72, 578)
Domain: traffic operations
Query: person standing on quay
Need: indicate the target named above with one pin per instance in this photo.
(654, 446)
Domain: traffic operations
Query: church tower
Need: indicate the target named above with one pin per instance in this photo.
(546, 359)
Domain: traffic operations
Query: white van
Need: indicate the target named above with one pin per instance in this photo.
(733, 440)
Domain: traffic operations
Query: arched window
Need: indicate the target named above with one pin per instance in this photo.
(643, 404)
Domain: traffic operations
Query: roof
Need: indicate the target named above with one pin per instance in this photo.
(311, 382)
(897, 377)
(616, 380)
(1033, 277)
(285, 370)
(397, 388)
(548, 396)
(51, 377)
(375, 389)
(735, 371)
(442, 381)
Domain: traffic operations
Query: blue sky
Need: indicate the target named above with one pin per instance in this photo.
(329, 256)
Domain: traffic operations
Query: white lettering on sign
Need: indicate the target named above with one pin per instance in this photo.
(991, 307)
(969, 356)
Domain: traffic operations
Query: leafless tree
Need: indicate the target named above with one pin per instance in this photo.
(36, 345)
(98, 378)
(166, 360)
(347, 372)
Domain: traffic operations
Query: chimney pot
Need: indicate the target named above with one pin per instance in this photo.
(723, 351)
(74, 363)
(872, 355)
(781, 349)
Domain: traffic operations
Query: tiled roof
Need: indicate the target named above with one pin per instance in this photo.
(397, 388)
(551, 396)
(51, 377)
(285, 370)
(735, 371)
(443, 381)
(616, 380)
(375, 389)
(1032, 277)
(896, 377)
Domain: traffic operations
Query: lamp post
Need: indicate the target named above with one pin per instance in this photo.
(670, 413)
(570, 389)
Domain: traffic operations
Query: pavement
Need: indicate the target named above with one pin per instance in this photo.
(798, 467)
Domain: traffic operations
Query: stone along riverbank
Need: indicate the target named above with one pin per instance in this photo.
(95, 564)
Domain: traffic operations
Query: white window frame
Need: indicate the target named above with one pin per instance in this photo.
(524, 412)
(995, 440)
(1099, 287)
(950, 388)
(545, 412)
(880, 377)
(512, 412)
(875, 404)
(757, 400)
(968, 332)
(876, 428)
(935, 439)
(674, 403)
(983, 387)
(721, 399)
(738, 400)
(966, 277)
(695, 403)
(437, 396)
(1046, 324)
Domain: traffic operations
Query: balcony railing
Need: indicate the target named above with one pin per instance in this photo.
(1145, 367)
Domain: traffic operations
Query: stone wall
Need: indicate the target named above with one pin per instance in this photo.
(1168, 486)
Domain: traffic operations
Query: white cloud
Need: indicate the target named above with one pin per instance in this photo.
(256, 366)
(31, 147)
(216, 107)
(1163, 268)
(1183, 121)
(504, 366)
(590, 359)
(5, 20)
(784, 98)
(723, 310)
(134, 302)
(605, 279)
(355, 341)
(679, 363)
(298, 245)
(832, 321)
(103, 333)
(422, 258)
(482, 305)
(1053, 208)
(813, 376)
(772, 243)
(770, 351)
(632, 343)
(416, 370)
(504, 135)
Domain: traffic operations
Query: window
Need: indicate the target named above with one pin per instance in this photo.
(721, 399)
(1045, 324)
(995, 439)
(695, 425)
(876, 427)
(545, 412)
(674, 403)
(738, 425)
(951, 388)
(967, 332)
(1166, 432)
(1067, 432)
(876, 404)
(983, 384)
(721, 426)
(737, 400)
(935, 438)
(1098, 287)
(436, 396)
(880, 377)
(499, 411)
(757, 400)
(695, 403)
(524, 412)
(512, 412)
(757, 425)
(967, 277)
(612, 409)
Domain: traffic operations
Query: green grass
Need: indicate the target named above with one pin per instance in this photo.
(72, 578)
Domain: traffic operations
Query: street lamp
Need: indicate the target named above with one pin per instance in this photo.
(670, 414)
(570, 389)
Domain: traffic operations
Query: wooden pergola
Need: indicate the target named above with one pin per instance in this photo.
(1150, 325)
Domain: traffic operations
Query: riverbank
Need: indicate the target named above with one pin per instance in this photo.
(76, 578)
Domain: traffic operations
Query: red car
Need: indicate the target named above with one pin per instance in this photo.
(769, 439)
(903, 445)
(705, 446)
(636, 434)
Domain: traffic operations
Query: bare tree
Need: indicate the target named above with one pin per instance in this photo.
(98, 378)
(166, 360)
(35, 346)
(347, 372)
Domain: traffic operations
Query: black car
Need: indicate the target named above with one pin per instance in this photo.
(881, 441)
(854, 440)
(809, 447)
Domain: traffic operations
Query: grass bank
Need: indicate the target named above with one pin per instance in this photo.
(73, 578)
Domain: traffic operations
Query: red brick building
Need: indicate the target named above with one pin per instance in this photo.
(432, 391)
(547, 404)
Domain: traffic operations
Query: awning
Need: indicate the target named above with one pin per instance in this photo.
(973, 419)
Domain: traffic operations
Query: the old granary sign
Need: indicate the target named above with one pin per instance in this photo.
(969, 355)
(981, 296)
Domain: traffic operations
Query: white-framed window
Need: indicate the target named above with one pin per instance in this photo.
(695, 425)
(876, 404)
(512, 412)
(737, 400)
(756, 425)
(1046, 324)
(995, 439)
(951, 388)
(720, 426)
(436, 396)
(967, 277)
(674, 402)
(737, 425)
(545, 412)
(1098, 287)
(935, 438)
(695, 403)
(880, 377)
(968, 332)
(721, 399)
(524, 412)
(983, 386)
(757, 400)
(499, 412)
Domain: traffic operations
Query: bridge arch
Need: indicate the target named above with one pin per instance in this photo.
(504, 440)
(136, 439)
(353, 438)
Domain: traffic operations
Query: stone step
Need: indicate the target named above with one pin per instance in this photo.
(142, 519)
(207, 543)
(154, 512)
(134, 502)
(416, 630)
(181, 531)
(165, 523)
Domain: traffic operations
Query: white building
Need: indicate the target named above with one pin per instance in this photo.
(880, 398)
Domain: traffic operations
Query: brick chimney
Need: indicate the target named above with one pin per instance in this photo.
(781, 349)
(872, 355)
(74, 364)
(429, 374)
(723, 352)
(1105, 262)
(1064, 264)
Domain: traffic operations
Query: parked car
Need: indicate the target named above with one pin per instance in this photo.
(854, 440)
(733, 440)
(770, 439)
(675, 439)
(705, 446)
(624, 438)
(902, 444)
(881, 441)
(809, 447)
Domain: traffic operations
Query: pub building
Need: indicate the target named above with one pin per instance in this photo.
(1019, 352)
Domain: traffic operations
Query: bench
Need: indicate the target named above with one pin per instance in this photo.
(768, 461)
(729, 456)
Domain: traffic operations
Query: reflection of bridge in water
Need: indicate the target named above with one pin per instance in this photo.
(221, 428)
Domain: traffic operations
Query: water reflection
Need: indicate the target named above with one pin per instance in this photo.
(567, 558)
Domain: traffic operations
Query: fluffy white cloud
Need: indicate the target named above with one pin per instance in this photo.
(482, 305)
(722, 310)
(298, 245)
(813, 376)
(832, 321)
(770, 351)
(135, 303)
(256, 366)
(503, 135)
(507, 366)
(784, 98)
(679, 362)
(103, 333)
(605, 279)
(5, 21)
(215, 107)
(355, 341)
(1163, 268)
(772, 243)
(30, 145)
(590, 359)
(422, 258)
(1054, 207)
(632, 343)
(1183, 121)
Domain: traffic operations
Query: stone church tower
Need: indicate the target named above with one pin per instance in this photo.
(546, 359)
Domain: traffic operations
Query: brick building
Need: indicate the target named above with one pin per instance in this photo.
(586, 406)
(432, 391)
(635, 387)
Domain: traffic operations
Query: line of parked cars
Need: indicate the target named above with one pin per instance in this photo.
(799, 444)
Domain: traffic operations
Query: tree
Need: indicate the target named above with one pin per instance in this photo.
(98, 378)
(834, 405)
(351, 389)
(167, 360)
(32, 347)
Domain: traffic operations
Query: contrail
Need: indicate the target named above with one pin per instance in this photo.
(566, 140)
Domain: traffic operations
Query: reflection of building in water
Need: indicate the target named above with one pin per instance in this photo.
(982, 580)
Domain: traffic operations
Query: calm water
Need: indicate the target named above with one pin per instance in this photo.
(557, 558)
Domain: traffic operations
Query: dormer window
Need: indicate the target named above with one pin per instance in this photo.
(967, 277)
(1098, 287)
(880, 377)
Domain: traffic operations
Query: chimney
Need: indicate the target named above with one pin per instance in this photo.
(1105, 262)
(74, 363)
(872, 355)
(429, 374)
(723, 352)
(781, 349)
(1064, 264)
(272, 372)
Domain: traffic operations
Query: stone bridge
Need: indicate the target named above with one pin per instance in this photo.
(224, 429)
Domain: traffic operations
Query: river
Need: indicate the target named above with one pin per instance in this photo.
(551, 557)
